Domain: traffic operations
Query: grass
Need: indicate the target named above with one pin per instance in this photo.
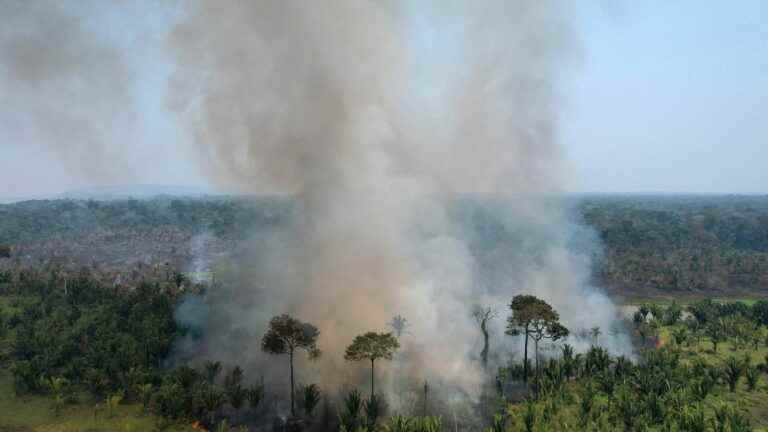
(34, 414)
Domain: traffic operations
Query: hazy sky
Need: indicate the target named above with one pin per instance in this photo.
(666, 96)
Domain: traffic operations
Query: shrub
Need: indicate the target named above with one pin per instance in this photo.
(310, 398)
(236, 395)
(113, 401)
(529, 416)
(733, 370)
(349, 418)
(753, 375)
(255, 394)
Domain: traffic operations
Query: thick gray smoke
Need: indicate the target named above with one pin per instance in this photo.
(388, 123)
(416, 143)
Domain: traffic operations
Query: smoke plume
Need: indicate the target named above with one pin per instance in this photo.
(414, 142)
(418, 144)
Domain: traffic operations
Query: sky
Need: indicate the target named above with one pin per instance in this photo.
(671, 96)
(664, 96)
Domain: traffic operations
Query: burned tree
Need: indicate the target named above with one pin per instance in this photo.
(287, 334)
(483, 316)
(372, 346)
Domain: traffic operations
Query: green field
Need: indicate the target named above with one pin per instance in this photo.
(32, 413)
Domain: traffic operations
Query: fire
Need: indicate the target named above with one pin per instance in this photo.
(199, 426)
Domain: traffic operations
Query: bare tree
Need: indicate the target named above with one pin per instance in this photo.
(483, 315)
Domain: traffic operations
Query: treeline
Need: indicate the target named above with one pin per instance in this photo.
(680, 244)
(79, 329)
(673, 243)
(34, 221)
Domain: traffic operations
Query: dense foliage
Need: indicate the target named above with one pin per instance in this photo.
(695, 243)
(73, 327)
(69, 335)
(667, 243)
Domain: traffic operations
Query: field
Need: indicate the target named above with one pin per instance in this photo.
(33, 413)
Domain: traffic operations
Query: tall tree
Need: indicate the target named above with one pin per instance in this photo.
(547, 329)
(534, 319)
(372, 346)
(483, 315)
(285, 335)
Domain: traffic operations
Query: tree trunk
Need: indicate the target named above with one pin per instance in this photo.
(293, 409)
(536, 349)
(373, 389)
(484, 352)
(525, 357)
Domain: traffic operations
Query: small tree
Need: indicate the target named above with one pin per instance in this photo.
(237, 395)
(753, 375)
(254, 394)
(285, 335)
(483, 316)
(595, 333)
(716, 331)
(372, 346)
(672, 314)
(310, 398)
(733, 370)
(212, 370)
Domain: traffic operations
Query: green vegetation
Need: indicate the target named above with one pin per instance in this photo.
(88, 357)
(286, 335)
(372, 346)
(681, 245)
(693, 246)
(86, 350)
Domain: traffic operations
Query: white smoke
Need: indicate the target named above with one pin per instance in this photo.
(388, 123)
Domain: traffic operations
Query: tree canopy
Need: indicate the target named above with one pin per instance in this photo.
(372, 346)
(286, 334)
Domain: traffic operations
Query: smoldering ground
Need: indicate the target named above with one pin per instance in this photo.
(418, 145)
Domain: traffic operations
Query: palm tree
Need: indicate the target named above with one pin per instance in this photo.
(595, 333)
(212, 370)
(399, 324)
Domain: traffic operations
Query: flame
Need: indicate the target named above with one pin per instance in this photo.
(199, 426)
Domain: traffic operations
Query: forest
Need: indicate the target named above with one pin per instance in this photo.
(90, 332)
(90, 352)
(645, 245)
